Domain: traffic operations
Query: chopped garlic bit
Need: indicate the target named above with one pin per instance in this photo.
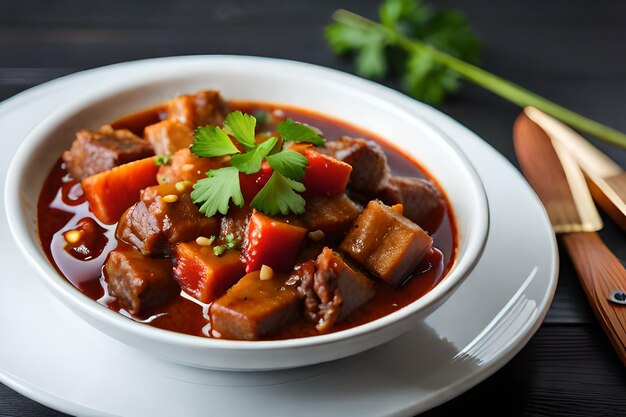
(182, 185)
(72, 236)
(266, 273)
(170, 198)
(316, 235)
(205, 241)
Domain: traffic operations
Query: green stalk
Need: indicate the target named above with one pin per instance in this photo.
(506, 89)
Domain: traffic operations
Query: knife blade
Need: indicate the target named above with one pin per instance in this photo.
(606, 179)
(559, 184)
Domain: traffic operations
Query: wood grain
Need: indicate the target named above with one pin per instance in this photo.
(600, 273)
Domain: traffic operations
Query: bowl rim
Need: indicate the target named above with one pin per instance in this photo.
(69, 294)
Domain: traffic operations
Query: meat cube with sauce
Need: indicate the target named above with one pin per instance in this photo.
(422, 201)
(138, 282)
(332, 289)
(200, 109)
(185, 166)
(255, 308)
(168, 136)
(235, 223)
(163, 217)
(370, 170)
(387, 244)
(333, 216)
(203, 274)
(93, 152)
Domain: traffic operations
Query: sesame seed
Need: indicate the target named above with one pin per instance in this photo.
(266, 273)
(170, 198)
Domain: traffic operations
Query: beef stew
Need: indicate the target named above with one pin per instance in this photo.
(376, 232)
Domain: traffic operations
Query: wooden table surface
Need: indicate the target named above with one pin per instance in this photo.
(573, 52)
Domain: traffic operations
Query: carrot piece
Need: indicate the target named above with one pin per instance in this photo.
(203, 274)
(271, 242)
(111, 192)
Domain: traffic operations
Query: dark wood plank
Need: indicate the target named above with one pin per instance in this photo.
(562, 371)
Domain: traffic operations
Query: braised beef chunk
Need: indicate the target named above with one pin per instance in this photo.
(334, 290)
(203, 108)
(255, 308)
(386, 243)
(185, 166)
(154, 224)
(422, 201)
(234, 224)
(331, 215)
(93, 152)
(168, 136)
(370, 171)
(210, 108)
(138, 282)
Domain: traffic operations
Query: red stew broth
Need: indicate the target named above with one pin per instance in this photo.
(62, 206)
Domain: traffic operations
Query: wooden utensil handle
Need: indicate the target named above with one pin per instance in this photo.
(600, 273)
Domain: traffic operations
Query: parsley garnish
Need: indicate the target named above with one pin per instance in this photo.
(425, 78)
(215, 192)
(241, 126)
(289, 163)
(221, 186)
(163, 160)
(211, 141)
(297, 132)
(279, 196)
(433, 50)
(219, 250)
(250, 162)
(230, 241)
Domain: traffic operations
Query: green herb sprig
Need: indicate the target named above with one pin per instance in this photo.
(280, 194)
(434, 49)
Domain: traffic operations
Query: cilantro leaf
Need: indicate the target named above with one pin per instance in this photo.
(241, 126)
(211, 141)
(215, 192)
(279, 195)
(428, 80)
(250, 162)
(289, 163)
(375, 48)
(298, 132)
(368, 46)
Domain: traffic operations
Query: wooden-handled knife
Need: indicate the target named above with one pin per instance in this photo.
(605, 178)
(560, 185)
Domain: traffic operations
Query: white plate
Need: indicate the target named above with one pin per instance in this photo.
(52, 356)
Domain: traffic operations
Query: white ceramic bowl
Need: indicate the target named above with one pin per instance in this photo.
(359, 102)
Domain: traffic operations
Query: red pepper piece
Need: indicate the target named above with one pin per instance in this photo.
(325, 176)
(271, 242)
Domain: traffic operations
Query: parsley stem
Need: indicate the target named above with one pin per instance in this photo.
(489, 81)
